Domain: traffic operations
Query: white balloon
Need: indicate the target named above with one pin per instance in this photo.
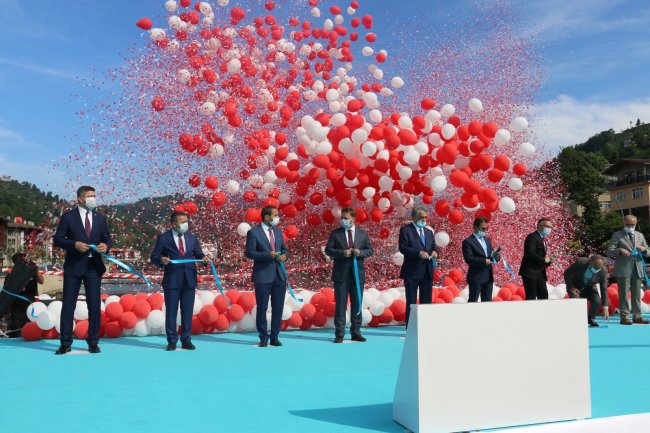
(207, 296)
(385, 183)
(338, 119)
(442, 239)
(515, 184)
(386, 298)
(383, 204)
(439, 183)
(55, 307)
(155, 319)
(377, 308)
(411, 156)
(369, 148)
(368, 192)
(526, 149)
(324, 147)
(447, 110)
(141, 329)
(207, 109)
(475, 105)
(157, 34)
(502, 137)
(366, 317)
(243, 228)
(81, 311)
(287, 311)
(375, 116)
(518, 124)
(332, 95)
(405, 122)
(398, 259)
(46, 320)
(197, 305)
(507, 205)
(232, 186)
(448, 131)
(234, 66)
(397, 82)
(359, 136)
(34, 310)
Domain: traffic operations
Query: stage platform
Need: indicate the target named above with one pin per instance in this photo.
(230, 385)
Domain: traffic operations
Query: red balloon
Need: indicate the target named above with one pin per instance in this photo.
(307, 312)
(218, 198)
(291, 231)
(398, 307)
(144, 23)
(519, 169)
(112, 329)
(247, 301)
(445, 295)
(458, 178)
(455, 216)
(128, 320)
(142, 309)
(495, 175)
(31, 332)
(128, 302)
(208, 314)
(81, 329)
(114, 311)
(442, 208)
(211, 182)
(295, 321)
(158, 103)
(384, 233)
(156, 300)
(502, 162)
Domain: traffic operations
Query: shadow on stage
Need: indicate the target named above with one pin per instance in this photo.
(375, 417)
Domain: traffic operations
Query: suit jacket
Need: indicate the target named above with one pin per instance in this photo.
(343, 266)
(177, 275)
(410, 245)
(574, 277)
(625, 266)
(479, 272)
(258, 249)
(70, 230)
(533, 264)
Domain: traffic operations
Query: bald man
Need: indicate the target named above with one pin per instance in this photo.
(626, 247)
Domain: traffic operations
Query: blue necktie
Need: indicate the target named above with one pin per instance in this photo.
(422, 238)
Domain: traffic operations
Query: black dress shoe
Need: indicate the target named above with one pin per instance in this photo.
(338, 340)
(93, 348)
(171, 347)
(188, 345)
(593, 324)
(359, 338)
(263, 344)
(62, 350)
(276, 343)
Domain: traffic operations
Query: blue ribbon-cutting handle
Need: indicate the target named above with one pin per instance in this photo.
(636, 252)
(17, 296)
(121, 264)
(286, 274)
(215, 274)
(356, 280)
(505, 265)
(434, 262)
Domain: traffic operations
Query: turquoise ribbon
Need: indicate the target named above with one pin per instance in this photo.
(505, 265)
(434, 262)
(286, 274)
(17, 296)
(636, 252)
(121, 264)
(356, 280)
(215, 274)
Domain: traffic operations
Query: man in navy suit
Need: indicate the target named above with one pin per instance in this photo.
(77, 230)
(179, 279)
(265, 246)
(418, 246)
(344, 243)
(535, 261)
(479, 256)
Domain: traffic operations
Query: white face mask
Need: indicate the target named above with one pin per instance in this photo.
(629, 230)
(183, 227)
(90, 203)
(275, 221)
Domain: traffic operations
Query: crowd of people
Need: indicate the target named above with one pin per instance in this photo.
(84, 235)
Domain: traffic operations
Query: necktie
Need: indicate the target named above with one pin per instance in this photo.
(181, 247)
(272, 239)
(87, 226)
(631, 236)
(350, 241)
(422, 238)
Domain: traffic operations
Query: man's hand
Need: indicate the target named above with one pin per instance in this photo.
(424, 255)
(606, 313)
(356, 252)
(81, 247)
(623, 252)
(282, 258)
(164, 260)
(497, 256)
(547, 259)
(433, 255)
(488, 261)
(347, 253)
(574, 293)
(642, 248)
(205, 260)
(273, 254)
(102, 248)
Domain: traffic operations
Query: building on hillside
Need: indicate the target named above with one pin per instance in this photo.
(17, 235)
(628, 188)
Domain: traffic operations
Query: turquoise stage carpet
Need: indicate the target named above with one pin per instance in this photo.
(230, 385)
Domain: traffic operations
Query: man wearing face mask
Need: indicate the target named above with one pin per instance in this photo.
(179, 279)
(535, 261)
(265, 246)
(77, 230)
(418, 246)
(479, 256)
(344, 243)
(626, 246)
(587, 278)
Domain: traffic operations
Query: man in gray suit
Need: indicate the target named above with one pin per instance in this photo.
(344, 245)
(626, 247)
(585, 278)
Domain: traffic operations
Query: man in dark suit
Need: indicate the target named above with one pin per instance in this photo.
(584, 279)
(344, 243)
(479, 256)
(179, 279)
(77, 230)
(535, 261)
(265, 246)
(418, 246)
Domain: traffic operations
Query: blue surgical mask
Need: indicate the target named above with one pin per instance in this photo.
(629, 230)
(480, 234)
(346, 223)
(275, 221)
(594, 270)
(421, 224)
(545, 232)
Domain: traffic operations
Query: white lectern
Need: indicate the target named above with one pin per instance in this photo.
(493, 364)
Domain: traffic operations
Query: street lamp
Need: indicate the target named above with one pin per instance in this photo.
(617, 202)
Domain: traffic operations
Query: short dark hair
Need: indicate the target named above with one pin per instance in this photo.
(267, 210)
(595, 257)
(543, 220)
(17, 256)
(82, 190)
(349, 211)
(174, 217)
(480, 220)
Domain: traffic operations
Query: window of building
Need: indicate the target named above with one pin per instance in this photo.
(620, 196)
(637, 193)
(605, 205)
